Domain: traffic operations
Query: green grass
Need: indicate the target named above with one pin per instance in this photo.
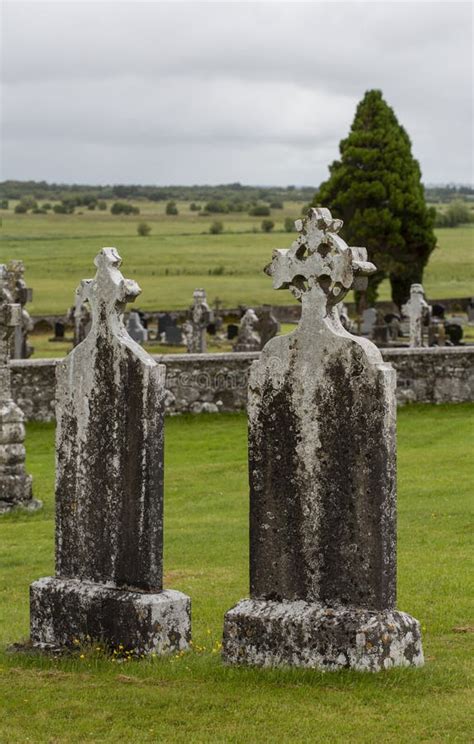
(180, 255)
(194, 698)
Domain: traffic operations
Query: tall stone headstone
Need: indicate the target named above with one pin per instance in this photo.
(322, 469)
(418, 311)
(109, 489)
(21, 294)
(200, 315)
(15, 483)
(248, 338)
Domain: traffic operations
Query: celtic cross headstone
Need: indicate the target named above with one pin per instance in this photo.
(322, 470)
(109, 489)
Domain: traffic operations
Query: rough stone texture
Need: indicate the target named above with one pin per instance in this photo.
(248, 338)
(418, 310)
(64, 610)
(423, 375)
(311, 635)
(200, 315)
(136, 329)
(442, 375)
(15, 483)
(322, 469)
(268, 326)
(109, 458)
(21, 294)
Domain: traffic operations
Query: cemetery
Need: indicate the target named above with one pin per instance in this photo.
(236, 416)
(114, 600)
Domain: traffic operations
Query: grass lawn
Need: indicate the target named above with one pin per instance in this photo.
(180, 255)
(194, 698)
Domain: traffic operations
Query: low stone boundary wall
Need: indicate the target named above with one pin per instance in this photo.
(218, 382)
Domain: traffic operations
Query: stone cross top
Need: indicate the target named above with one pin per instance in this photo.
(322, 453)
(108, 294)
(320, 259)
(109, 487)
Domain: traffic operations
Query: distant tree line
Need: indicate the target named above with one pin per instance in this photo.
(448, 193)
(236, 196)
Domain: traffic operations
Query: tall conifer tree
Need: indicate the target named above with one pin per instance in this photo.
(376, 189)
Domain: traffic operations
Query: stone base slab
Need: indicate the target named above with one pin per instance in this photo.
(267, 633)
(30, 505)
(63, 611)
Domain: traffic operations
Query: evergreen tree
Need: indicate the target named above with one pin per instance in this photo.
(376, 189)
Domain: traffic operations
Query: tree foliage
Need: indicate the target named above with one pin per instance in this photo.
(376, 189)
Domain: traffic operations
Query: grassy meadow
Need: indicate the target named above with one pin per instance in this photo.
(180, 255)
(193, 697)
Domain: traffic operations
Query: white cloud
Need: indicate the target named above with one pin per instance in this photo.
(207, 92)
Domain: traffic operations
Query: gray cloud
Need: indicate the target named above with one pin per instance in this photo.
(207, 92)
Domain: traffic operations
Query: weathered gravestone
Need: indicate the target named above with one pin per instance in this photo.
(109, 489)
(173, 335)
(165, 320)
(21, 295)
(369, 318)
(80, 316)
(380, 330)
(470, 311)
(15, 483)
(268, 326)
(200, 315)
(248, 338)
(322, 474)
(136, 329)
(418, 311)
(232, 331)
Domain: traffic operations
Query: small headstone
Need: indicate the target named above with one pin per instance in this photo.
(136, 329)
(268, 326)
(418, 312)
(200, 315)
(394, 328)
(109, 489)
(454, 333)
(380, 330)
(322, 470)
(173, 335)
(21, 294)
(15, 483)
(165, 320)
(369, 318)
(470, 311)
(232, 331)
(248, 338)
(59, 331)
(438, 310)
(80, 316)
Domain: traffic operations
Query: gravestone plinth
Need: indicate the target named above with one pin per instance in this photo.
(322, 469)
(15, 482)
(109, 489)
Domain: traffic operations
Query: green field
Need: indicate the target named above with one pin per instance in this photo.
(180, 255)
(193, 697)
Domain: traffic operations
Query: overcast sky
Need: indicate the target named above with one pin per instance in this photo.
(182, 93)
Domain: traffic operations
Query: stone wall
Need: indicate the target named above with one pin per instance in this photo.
(218, 382)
